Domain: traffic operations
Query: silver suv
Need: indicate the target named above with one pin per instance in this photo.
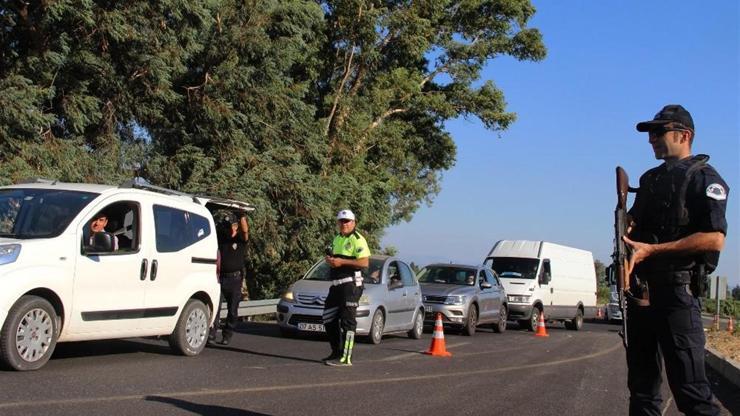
(390, 302)
(466, 296)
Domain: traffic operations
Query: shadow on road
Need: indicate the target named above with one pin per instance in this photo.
(203, 409)
(263, 354)
(109, 347)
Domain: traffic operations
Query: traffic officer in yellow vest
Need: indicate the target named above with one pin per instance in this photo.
(348, 257)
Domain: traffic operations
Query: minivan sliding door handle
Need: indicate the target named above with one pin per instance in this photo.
(153, 274)
(144, 268)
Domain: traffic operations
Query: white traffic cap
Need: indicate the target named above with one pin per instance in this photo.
(346, 214)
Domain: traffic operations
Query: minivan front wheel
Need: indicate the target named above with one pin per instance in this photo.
(29, 335)
(191, 333)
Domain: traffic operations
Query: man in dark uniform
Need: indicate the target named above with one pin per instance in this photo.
(232, 242)
(678, 228)
(349, 255)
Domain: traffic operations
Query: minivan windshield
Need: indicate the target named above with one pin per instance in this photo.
(371, 275)
(515, 267)
(39, 213)
(447, 275)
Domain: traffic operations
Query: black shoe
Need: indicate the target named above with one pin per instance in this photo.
(332, 356)
(225, 340)
(338, 363)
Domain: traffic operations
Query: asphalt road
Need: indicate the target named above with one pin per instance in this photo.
(260, 373)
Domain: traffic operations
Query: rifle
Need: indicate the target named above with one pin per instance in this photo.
(620, 257)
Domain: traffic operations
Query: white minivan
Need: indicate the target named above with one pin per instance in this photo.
(545, 278)
(151, 270)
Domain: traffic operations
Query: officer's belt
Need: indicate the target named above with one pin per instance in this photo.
(340, 281)
(669, 278)
(237, 273)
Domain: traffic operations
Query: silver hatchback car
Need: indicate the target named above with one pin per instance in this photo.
(466, 296)
(391, 301)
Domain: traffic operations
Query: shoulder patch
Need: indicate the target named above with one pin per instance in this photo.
(717, 192)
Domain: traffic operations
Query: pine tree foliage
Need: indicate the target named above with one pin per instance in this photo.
(299, 107)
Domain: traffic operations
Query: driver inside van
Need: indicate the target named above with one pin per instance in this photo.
(97, 225)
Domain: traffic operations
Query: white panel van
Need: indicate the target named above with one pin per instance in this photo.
(545, 278)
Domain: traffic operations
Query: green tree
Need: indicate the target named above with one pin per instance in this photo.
(736, 292)
(301, 108)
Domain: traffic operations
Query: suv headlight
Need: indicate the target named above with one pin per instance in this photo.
(455, 300)
(288, 296)
(518, 299)
(9, 253)
(614, 296)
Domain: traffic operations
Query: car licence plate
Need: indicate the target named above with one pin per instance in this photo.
(311, 327)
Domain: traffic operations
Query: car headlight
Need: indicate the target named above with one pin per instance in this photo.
(614, 296)
(9, 253)
(364, 300)
(455, 300)
(288, 296)
(518, 299)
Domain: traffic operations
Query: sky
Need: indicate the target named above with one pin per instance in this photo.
(550, 176)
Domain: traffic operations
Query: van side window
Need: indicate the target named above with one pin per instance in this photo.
(407, 276)
(177, 229)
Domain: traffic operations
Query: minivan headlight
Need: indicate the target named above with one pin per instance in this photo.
(9, 253)
(455, 300)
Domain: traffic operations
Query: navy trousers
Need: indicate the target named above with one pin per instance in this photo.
(670, 330)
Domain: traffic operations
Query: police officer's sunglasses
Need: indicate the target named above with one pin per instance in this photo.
(662, 130)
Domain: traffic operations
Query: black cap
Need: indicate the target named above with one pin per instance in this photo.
(672, 113)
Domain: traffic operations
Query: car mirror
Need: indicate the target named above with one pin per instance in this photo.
(485, 285)
(102, 242)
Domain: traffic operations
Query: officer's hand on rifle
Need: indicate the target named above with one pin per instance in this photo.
(640, 252)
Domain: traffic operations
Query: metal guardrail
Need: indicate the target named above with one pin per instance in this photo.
(253, 307)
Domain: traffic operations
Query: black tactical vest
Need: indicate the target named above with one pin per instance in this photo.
(663, 216)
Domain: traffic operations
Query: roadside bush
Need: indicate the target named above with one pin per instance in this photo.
(726, 307)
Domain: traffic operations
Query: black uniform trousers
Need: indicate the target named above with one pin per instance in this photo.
(340, 312)
(231, 292)
(669, 330)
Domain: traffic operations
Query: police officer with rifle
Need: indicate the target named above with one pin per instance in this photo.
(675, 231)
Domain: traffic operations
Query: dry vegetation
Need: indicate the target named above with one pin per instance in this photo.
(725, 343)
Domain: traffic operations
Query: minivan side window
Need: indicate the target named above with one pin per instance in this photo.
(121, 220)
(407, 276)
(177, 229)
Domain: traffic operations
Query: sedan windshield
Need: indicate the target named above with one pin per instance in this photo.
(515, 267)
(447, 275)
(370, 276)
(39, 213)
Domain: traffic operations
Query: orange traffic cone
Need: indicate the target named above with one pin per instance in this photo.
(541, 330)
(731, 324)
(599, 315)
(438, 340)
